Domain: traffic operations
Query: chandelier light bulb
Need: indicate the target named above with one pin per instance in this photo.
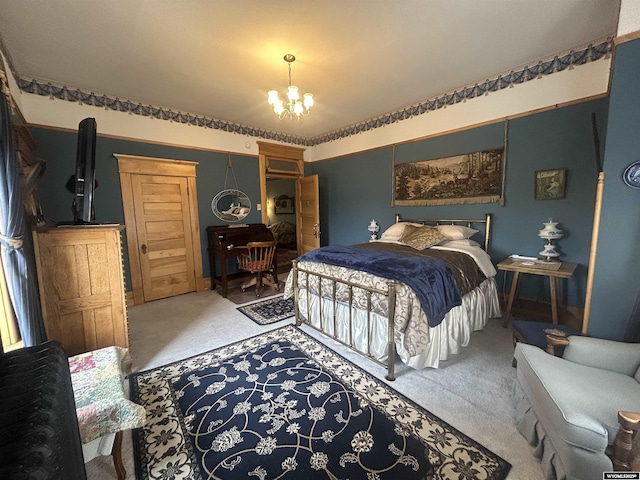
(308, 100)
(294, 107)
(273, 97)
(293, 93)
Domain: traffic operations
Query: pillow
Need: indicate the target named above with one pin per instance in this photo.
(456, 232)
(423, 237)
(464, 242)
(396, 231)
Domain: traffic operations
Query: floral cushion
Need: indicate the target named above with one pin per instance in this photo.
(101, 405)
(284, 233)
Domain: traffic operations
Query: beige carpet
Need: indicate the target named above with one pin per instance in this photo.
(471, 391)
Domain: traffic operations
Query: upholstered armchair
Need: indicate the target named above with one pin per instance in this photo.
(578, 410)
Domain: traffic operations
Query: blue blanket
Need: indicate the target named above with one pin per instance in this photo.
(430, 278)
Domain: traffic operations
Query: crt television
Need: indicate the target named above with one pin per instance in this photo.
(83, 183)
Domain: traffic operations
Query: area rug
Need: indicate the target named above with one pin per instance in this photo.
(283, 405)
(237, 296)
(269, 311)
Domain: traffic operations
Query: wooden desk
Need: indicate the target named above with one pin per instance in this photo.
(225, 242)
(518, 267)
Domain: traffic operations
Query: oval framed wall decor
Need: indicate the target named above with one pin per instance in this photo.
(631, 175)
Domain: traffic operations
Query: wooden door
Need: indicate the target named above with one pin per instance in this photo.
(308, 213)
(163, 231)
(163, 228)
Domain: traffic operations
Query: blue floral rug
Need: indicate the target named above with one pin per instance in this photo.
(283, 405)
(269, 311)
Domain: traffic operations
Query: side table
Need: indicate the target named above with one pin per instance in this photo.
(553, 271)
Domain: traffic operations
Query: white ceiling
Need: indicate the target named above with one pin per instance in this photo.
(360, 58)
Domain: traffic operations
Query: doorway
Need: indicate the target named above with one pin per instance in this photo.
(281, 219)
(285, 162)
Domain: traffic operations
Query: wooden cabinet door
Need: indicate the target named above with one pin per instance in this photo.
(82, 287)
(163, 227)
(308, 214)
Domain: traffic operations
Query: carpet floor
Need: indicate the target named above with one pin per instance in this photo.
(471, 391)
(283, 404)
(269, 311)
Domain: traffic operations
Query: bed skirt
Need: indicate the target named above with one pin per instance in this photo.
(453, 333)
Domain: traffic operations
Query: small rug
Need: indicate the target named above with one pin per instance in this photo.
(283, 405)
(237, 296)
(269, 311)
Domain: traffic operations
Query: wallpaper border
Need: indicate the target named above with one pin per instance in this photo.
(518, 76)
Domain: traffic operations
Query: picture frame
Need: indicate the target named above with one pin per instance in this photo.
(550, 184)
(284, 205)
(474, 177)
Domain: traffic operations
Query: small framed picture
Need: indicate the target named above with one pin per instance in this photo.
(550, 184)
(284, 204)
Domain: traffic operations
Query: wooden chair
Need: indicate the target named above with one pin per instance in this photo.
(259, 260)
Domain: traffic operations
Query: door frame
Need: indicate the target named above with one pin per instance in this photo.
(129, 165)
(279, 153)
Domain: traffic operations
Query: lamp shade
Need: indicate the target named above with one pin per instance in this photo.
(272, 97)
(550, 230)
(308, 100)
(293, 93)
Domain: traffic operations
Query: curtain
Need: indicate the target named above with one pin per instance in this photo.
(19, 267)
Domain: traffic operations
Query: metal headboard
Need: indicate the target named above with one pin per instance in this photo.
(467, 222)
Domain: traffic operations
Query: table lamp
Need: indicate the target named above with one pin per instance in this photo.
(550, 232)
(374, 228)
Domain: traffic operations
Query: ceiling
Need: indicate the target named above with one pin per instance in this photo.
(360, 58)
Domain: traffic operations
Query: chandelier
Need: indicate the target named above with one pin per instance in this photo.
(294, 108)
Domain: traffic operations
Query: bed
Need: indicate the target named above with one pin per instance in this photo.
(353, 294)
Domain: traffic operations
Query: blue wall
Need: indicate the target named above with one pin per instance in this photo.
(617, 273)
(58, 149)
(356, 188)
